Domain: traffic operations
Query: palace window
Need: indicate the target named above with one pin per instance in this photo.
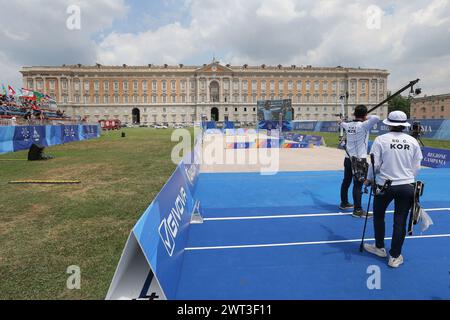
(144, 85)
(125, 99)
(106, 99)
(106, 85)
(86, 85)
(135, 85)
(125, 85)
(154, 85)
(40, 84)
(116, 85)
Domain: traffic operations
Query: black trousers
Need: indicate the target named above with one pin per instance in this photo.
(357, 186)
(403, 197)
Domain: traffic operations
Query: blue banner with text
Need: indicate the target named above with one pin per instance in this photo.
(17, 138)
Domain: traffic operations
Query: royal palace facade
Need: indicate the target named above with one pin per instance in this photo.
(181, 94)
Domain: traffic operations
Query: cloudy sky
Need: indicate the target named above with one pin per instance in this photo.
(411, 38)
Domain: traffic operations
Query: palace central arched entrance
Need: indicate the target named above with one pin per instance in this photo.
(215, 114)
(136, 113)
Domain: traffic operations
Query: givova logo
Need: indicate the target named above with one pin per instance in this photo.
(170, 226)
(191, 173)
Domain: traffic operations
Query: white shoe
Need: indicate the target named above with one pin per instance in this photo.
(395, 262)
(371, 248)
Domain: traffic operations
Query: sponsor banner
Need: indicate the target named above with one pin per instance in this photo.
(70, 134)
(431, 129)
(163, 229)
(228, 125)
(315, 140)
(210, 125)
(275, 125)
(304, 125)
(435, 158)
(330, 126)
(19, 138)
(88, 132)
(25, 137)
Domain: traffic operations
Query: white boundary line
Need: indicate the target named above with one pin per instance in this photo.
(292, 216)
(303, 243)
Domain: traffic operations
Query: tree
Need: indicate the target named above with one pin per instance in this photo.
(400, 103)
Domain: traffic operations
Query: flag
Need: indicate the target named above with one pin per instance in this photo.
(11, 91)
(28, 94)
(4, 90)
(38, 96)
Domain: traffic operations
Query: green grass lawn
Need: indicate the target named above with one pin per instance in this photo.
(332, 140)
(45, 229)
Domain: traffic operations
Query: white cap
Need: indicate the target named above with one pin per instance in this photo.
(396, 119)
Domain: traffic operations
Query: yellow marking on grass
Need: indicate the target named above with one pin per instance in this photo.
(45, 182)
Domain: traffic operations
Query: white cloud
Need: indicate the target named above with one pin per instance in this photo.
(434, 14)
(169, 44)
(35, 33)
(280, 11)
